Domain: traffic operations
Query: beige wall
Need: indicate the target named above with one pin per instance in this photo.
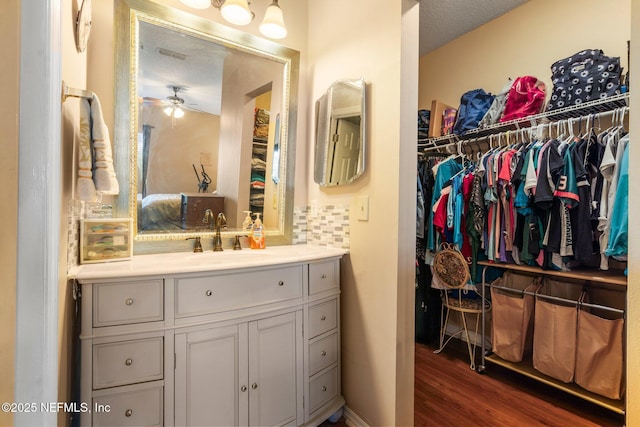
(365, 40)
(526, 41)
(176, 145)
(9, 86)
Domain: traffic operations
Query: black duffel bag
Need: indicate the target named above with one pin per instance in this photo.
(585, 76)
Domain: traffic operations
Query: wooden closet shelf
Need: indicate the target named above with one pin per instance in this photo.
(526, 368)
(614, 277)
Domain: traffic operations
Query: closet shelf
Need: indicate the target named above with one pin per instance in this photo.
(592, 107)
(526, 368)
(613, 277)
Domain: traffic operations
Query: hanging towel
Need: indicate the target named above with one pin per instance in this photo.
(96, 173)
(104, 175)
(85, 188)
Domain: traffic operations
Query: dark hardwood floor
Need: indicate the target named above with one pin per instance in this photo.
(449, 393)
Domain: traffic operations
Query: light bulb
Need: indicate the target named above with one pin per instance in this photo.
(272, 25)
(197, 4)
(236, 12)
(178, 112)
(168, 110)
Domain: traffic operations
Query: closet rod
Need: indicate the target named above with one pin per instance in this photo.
(76, 93)
(552, 298)
(456, 139)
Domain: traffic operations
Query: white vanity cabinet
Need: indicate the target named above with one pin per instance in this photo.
(212, 345)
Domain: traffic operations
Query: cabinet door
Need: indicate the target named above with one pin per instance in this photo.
(211, 377)
(275, 370)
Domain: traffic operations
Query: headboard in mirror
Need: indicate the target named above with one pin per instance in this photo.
(340, 133)
(205, 117)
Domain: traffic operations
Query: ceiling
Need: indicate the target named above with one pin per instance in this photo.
(442, 21)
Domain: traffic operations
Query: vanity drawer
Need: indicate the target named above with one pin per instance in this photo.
(127, 302)
(212, 294)
(323, 353)
(322, 389)
(131, 408)
(322, 277)
(127, 362)
(323, 317)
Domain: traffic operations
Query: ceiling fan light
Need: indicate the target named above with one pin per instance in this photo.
(178, 112)
(272, 25)
(197, 4)
(236, 12)
(168, 110)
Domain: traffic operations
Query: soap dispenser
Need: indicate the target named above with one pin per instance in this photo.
(257, 240)
(247, 224)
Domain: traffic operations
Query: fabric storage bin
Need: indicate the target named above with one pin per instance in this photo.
(600, 345)
(512, 319)
(555, 328)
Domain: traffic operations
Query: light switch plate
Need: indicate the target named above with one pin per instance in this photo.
(362, 208)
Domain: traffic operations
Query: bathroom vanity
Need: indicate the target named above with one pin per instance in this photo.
(233, 338)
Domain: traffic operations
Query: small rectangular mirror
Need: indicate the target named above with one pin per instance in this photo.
(340, 133)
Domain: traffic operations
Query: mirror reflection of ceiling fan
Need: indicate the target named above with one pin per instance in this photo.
(173, 105)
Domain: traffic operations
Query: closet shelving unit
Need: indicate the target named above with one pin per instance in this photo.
(597, 107)
(612, 279)
(258, 153)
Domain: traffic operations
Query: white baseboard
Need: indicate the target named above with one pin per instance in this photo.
(352, 419)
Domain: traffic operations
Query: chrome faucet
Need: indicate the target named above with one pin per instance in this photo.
(219, 223)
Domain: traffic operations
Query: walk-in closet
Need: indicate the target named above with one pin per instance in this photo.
(522, 199)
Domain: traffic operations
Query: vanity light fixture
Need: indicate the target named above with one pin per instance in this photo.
(273, 23)
(237, 12)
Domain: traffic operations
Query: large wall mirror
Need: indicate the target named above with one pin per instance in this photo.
(340, 133)
(205, 119)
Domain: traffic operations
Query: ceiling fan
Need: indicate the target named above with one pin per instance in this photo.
(173, 105)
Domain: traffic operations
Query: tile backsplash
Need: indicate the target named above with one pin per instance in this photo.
(325, 226)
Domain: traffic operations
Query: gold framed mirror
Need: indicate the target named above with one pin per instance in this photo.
(205, 117)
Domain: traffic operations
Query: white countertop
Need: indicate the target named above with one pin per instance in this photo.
(189, 262)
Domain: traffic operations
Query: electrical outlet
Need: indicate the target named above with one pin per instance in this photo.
(362, 208)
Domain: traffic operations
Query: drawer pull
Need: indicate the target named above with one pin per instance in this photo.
(323, 353)
(129, 301)
(280, 283)
(243, 388)
(324, 276)
(209, 293)
(128, 413)
(324, 388)
(128, 362)
(323, 317)
(254, 386)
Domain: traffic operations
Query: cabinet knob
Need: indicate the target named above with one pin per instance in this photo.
(324, 276)
(243, 388)
(324, 388)
(209, 293)
(254, 386)
(128, 362)
(280, 283)
(129, 301)
(323, 353)
(323, 317)
(128, 413)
